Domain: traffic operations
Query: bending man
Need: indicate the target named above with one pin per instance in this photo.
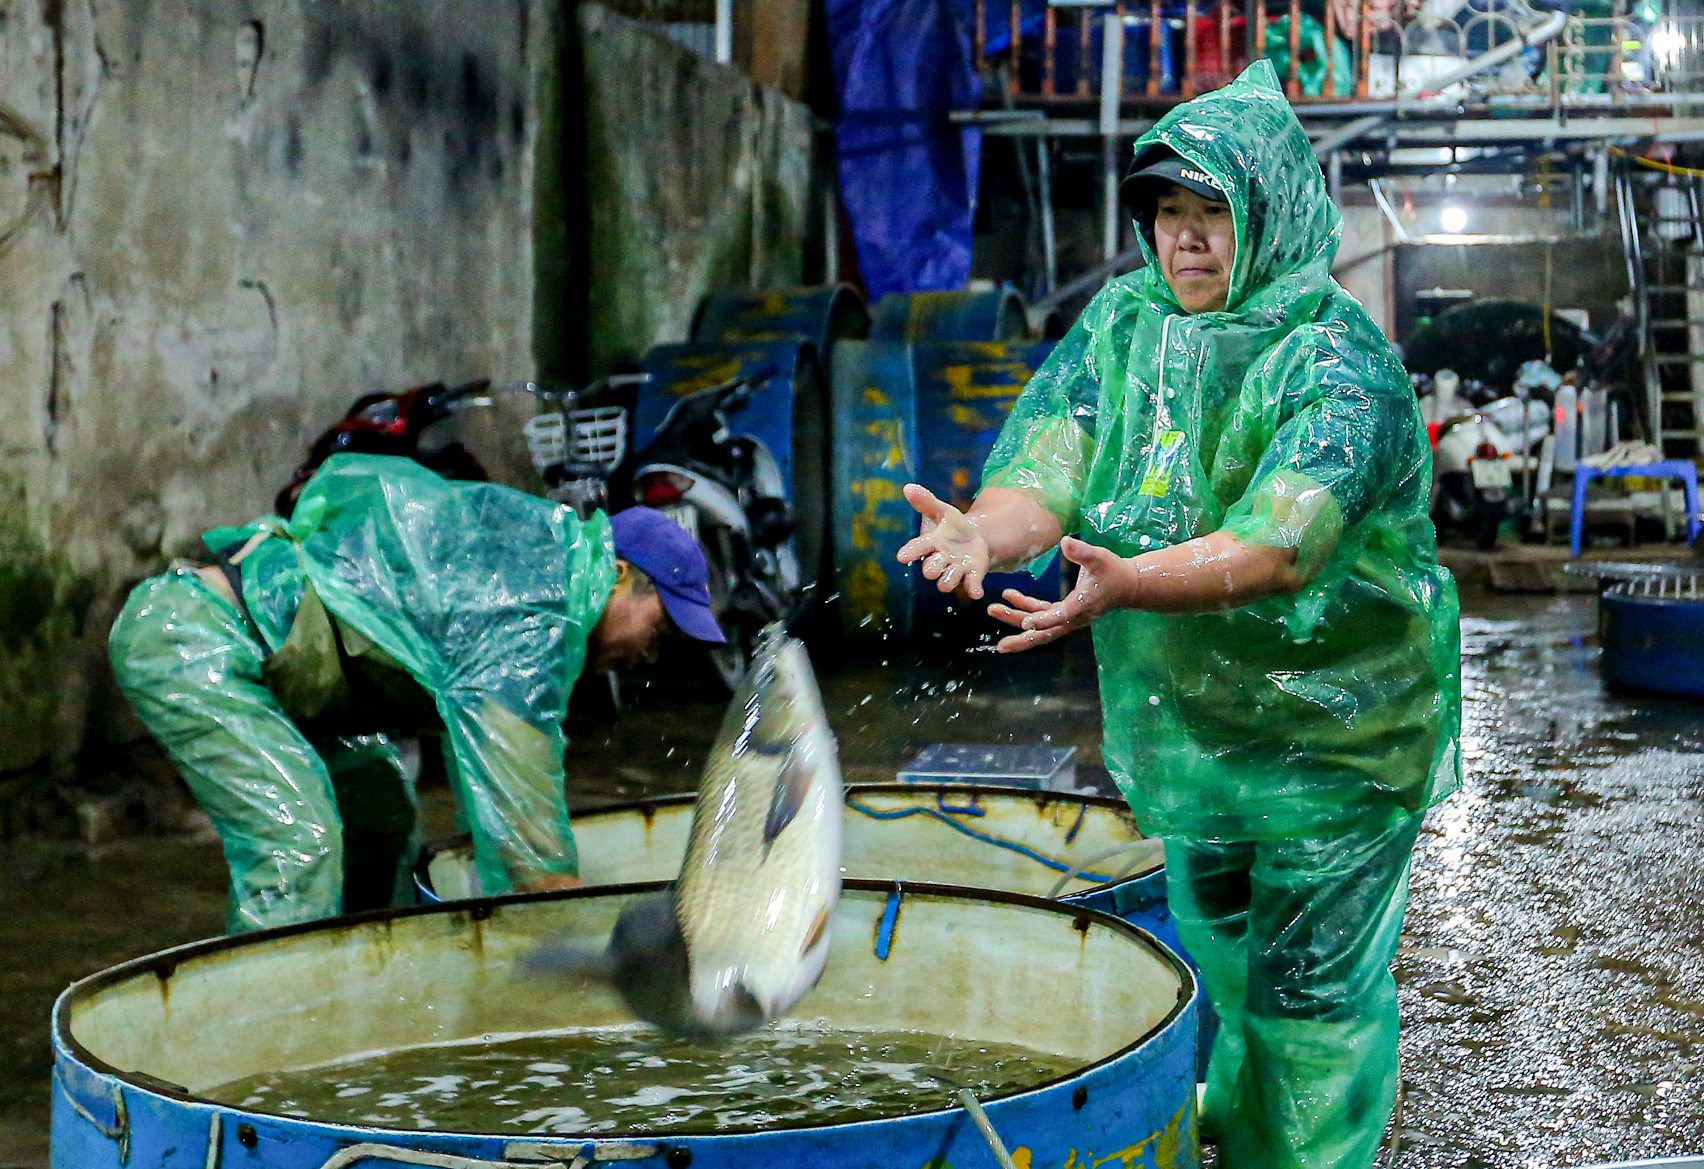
(393, 602)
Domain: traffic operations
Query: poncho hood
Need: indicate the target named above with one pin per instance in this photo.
(1246, 137)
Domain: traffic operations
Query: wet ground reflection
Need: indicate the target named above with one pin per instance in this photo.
(1552, 969)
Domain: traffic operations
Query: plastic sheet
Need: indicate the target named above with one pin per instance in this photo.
(474, 598)
(1294, 940)
(907, 173)
(1287, 421)
(1311, 71)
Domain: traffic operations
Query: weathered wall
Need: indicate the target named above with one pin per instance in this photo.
(697, 179)
(220, 220)
(1365, 259)
(225, 219)
(1585, 273)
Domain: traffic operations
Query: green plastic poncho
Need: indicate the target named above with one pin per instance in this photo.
(456, 607)
(1285, 749)
(1286, 420)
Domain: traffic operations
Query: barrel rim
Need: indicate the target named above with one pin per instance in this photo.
(649, 805)
(66, 1044)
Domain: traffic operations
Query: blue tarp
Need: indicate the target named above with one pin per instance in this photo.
(907, 173)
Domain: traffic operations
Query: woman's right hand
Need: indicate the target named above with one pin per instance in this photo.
(953, 552)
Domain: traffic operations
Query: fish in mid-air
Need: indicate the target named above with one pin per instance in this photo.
(744, 931)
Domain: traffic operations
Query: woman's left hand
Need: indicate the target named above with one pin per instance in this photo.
(1105, 581)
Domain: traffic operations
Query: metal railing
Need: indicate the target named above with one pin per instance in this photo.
(1374, 50)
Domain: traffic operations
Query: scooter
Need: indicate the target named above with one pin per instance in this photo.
(575, 445)
(1472, 478)
(727, 490)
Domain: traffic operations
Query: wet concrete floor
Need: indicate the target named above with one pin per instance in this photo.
(1552, 968)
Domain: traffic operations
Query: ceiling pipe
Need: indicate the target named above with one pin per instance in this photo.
(1544, 31)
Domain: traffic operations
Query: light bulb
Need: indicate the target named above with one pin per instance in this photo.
(1453, 218)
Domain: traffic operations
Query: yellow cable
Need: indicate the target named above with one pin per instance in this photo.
(1666, 167)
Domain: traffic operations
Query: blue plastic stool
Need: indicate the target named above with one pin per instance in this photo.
(1682, 469)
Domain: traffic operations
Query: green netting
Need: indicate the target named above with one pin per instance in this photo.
(1286, 420)
(477, 598)
(1311, 71)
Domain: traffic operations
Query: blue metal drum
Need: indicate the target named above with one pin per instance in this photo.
(965, 389)
(874, 455)
(822, 315)
(139, 1047)
(995, 314)
(786, 415)
(926, 413)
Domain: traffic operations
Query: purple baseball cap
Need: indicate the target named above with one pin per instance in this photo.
(663, 551)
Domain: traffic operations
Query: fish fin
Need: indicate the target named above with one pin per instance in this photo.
(787, 798)
(567, 958)
(819, 928)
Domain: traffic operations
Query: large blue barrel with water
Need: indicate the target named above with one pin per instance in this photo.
(141, 1049)
(1081, 849)
(1084, 850)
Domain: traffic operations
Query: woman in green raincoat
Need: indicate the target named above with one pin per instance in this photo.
(393, 602)
(1230, 451)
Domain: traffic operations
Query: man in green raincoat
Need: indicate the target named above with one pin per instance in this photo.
(1231, 453)
(393, 602)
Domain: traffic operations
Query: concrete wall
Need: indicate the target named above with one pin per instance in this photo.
(1364, 261)
(227, 218)
(220, 220)
(697, 179)
(1585, 273)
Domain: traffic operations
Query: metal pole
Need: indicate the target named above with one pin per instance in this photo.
(1293, 84)
(831, 221)
(1049, 239)
(1334, 176)
(1112, 90)
(724, 31)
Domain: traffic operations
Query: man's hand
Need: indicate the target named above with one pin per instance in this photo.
(1105, 581)
(953, 552)
(549, 883)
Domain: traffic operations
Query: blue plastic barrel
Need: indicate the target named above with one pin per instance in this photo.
(1652, 643)
(138, 1048)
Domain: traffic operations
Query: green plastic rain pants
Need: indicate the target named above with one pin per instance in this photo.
(309, 830)
(1297, 739)
(392, 600)
(1294, 939)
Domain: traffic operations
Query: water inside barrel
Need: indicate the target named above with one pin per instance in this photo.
(633, 1079)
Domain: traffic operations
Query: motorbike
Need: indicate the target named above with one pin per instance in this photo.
(1472, 477)
(727, 490)
(575, 443)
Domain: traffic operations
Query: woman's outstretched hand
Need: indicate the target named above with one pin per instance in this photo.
(1105, 581)
(953, 552)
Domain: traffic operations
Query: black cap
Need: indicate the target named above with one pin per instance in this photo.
(1150, 172)
(1161, 164)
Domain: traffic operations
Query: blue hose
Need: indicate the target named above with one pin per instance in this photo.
(902, 813)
